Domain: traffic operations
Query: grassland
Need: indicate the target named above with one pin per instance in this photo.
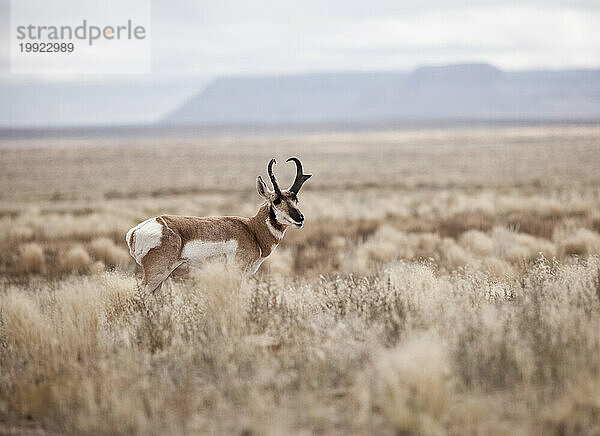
(446, 282)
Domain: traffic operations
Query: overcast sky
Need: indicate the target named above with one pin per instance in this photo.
(231, 37)
(195, 40)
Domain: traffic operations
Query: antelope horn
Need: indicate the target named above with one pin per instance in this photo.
(272, 177)
(300, 176)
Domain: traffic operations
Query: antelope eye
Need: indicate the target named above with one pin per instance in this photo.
(277, 201)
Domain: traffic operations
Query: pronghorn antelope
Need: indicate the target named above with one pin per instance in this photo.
(169, 244)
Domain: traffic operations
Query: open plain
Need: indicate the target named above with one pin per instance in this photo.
(446, 282)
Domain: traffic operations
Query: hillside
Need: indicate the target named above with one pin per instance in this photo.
(473, 91)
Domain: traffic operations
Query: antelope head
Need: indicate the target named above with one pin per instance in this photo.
(284, 204)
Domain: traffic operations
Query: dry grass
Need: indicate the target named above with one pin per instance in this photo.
(32, 258)
(108, 252)
(409, 304)
(399, 352)
(76, 260)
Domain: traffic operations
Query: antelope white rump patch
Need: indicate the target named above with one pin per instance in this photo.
(146, 236)
(196, 251)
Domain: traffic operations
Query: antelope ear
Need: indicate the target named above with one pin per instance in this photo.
(262, 189)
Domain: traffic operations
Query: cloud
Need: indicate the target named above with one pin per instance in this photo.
(282, 37)
(511, 37)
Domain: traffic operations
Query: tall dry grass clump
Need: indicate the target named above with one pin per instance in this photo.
(31, 258)
(108, 252)
(25, 330)
(225, 293)
(578, 242)
(411, 386)
(76, 260)
(576, 411)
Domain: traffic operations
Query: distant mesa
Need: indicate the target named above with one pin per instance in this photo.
(455, 75)
(453, 92)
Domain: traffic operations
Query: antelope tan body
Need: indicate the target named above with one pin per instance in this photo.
(170, 245)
